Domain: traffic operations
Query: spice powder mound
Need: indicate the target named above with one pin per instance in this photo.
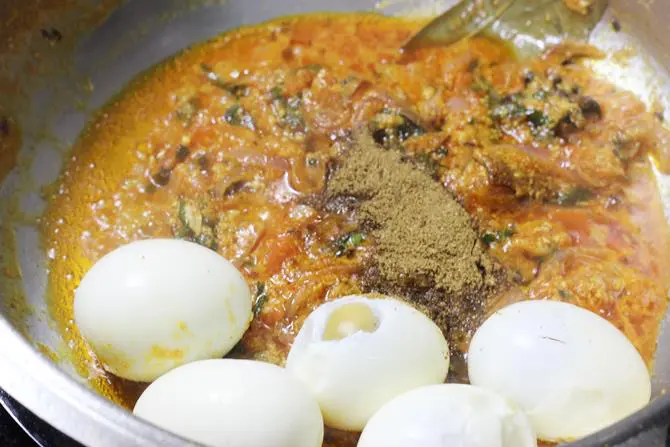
(427, 248)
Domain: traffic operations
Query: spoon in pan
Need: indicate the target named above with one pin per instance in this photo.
(531, 25)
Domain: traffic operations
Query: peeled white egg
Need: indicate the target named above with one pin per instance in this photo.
(152, 305)
(448, 415)
(357, 353)
(570, 370)
(241, 403)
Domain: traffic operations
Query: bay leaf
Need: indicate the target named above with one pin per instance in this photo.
(531, 26)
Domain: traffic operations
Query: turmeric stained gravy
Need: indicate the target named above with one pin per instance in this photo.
(231, 143)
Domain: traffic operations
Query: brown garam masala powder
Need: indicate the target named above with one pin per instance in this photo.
(428, 250)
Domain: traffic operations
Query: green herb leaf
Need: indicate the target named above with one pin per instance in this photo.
(293, 118)
(409, 129)
(508, 109)
(564, 294)
(537, 118)
(574, 196)
(490, 237)
(192, 226)
(187, 110)
(276, 93)
(236, 89)
(261, 298)
(207, 239)
(237, 116)
(507, 233)
(288, 110)
(356, 239)
(183, 231)
(480, 84)
(625, 148)
(392, 127)
(181, 212)
(429, 163)
(345, 244)
(540, 94)
(234, 115)
(442, 151)
(295, 121)
(313, 67)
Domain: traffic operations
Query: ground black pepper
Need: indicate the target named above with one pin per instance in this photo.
(427, 248)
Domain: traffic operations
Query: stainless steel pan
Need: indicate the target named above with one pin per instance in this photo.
(49, 84)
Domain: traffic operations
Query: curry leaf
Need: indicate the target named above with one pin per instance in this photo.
(261, 298)
(490, 237)
(314, 67)
(574, 196)
(345, 244)
(235, 89)
(276, 93)
(238, 116)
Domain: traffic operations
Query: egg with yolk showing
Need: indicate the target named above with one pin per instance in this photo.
(240, 403)
(570, 370)
(356, 353)
(448, 415)
(152, 305)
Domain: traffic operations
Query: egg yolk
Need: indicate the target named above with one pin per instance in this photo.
(349, 319)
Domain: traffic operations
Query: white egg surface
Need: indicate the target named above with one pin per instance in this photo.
(240, 403)
(570, 370)
(448, 415)
(357, 353)
(152, 305)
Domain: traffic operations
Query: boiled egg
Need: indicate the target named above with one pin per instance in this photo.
(570, 370)
(448, 415)
(358, 352)
(241, 403)
(152, 305)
